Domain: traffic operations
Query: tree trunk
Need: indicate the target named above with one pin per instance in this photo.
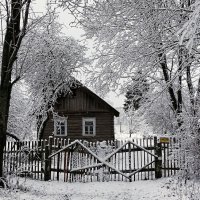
(179, 91)
(11, 45)
(4, 111)
(176, 102)
(163, 64)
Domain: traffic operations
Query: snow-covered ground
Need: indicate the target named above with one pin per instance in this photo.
(139, 190)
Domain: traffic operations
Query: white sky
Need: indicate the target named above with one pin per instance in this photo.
(65, 18)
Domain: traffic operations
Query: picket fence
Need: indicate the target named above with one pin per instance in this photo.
(71, 161)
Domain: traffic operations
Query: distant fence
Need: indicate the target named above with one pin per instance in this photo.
(63, 160)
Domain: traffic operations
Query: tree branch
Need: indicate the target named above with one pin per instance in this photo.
(163, 63)
(21, 35)
(12, 136)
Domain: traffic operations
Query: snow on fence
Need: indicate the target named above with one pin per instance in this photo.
(63, 160)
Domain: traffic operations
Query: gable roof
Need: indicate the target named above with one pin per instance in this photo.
(95, 96)
(76, 84)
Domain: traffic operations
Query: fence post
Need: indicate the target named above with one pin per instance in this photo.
(47, 171)
(158, 159)
(58, 162)
(129, 159)
(48, 151)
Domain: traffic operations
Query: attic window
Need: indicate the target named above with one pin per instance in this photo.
(89, 126)
(60, 127)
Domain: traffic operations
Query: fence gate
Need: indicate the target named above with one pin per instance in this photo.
(103, 161)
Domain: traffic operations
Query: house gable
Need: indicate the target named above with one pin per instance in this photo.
(83, 100)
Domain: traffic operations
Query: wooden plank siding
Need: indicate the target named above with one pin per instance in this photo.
(83, 103)
(104, 127)
(83, 100)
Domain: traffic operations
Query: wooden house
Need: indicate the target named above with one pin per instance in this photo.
(81, 115)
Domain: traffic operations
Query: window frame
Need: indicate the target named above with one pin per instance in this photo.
(88, 119)
(61, 120)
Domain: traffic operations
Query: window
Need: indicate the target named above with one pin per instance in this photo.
(60, 127)
(89, 126)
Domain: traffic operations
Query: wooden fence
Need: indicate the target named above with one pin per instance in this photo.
(63, 160)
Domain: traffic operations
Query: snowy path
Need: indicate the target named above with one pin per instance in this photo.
(140, 190)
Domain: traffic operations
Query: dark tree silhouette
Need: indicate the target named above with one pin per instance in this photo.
(16, 24)
(136, 94)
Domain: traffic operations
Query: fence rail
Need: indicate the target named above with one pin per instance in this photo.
(63, 160)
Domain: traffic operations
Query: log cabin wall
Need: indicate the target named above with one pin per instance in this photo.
(84, 103)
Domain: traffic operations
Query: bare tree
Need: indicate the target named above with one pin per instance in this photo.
(16, 14)
(35, 52)
(133, 36)
(161, 38)
(50, 69)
